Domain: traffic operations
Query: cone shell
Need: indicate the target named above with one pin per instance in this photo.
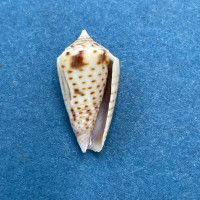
(89, 76)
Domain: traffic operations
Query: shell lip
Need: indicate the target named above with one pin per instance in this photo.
(96, 137)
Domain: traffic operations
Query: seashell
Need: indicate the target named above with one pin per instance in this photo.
(89, 76)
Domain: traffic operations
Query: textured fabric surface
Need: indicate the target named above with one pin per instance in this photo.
(153, 147)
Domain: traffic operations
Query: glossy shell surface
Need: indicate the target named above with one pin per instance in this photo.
(89, 76)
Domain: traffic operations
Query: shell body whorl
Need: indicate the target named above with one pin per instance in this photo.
(86, 71)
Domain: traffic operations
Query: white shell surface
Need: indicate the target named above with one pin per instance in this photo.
(83, 73)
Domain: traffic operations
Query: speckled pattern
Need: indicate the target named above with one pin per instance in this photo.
(83, 75)
(152, 150)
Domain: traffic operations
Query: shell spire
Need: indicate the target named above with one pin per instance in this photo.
(86, 73)
(84, 34)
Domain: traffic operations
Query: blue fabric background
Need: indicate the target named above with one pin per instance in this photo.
(153, 147)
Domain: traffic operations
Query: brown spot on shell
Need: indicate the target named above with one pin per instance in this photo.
(85, 100)
(74, 84)
(81, 70)
(99, 74)
(98, 86)
(69, 71)
(83, 82)
(76, 102)
(86, 106)
(89, 112)
(83, 88)
(102, 58)
(90, 75)
(80, 112)
(94, 98)
(63, 66)
(93, 69)
(107, 61)
(74, 96)
(80, 77)
(87, 119)
(74, 114)
(77, 60)
(67, 53)
(92, 92)
(79, 108)
(95, 51)
(93, 81)
(89, 88)
(70, 78)
(97, 44)
(77, 91)
(72, 45)
(83, 40)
